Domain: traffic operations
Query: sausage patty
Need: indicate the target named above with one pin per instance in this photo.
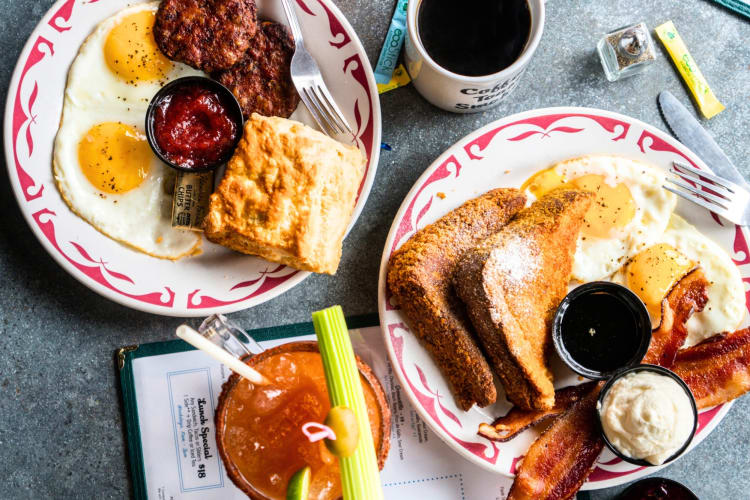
(261, 81)
(209, 35)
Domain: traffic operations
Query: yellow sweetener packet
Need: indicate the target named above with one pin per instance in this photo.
(399, 79)
(707, 102)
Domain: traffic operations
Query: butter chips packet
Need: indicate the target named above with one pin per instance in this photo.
(704, 97)
(192, 193)
(392, 46)
(399, 79)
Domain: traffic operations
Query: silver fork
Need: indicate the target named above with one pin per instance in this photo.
(309, 82)
(718, 195)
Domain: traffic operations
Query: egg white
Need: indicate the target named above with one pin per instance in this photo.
(725, 308)
(91, 83)
(597, 258)
(726, 292)
(141, 217)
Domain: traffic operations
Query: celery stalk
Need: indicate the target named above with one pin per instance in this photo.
(360, 476)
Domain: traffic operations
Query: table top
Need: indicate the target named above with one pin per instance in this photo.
(61, 428)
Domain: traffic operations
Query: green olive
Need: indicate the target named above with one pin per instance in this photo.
(343, 421)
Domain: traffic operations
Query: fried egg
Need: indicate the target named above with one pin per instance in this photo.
(103, 165)
(120, 64)
(630, 212)
(652, 273)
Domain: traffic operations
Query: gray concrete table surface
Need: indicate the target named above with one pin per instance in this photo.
(61, 431)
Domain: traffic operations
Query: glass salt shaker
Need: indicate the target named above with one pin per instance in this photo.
(626, 51)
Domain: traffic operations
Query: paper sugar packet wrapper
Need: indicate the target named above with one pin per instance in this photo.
(704, 97)
(399, 79)
(394, 40)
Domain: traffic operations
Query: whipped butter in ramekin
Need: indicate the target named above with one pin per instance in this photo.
(647, 415)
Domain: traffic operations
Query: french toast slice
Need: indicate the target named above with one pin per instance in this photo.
(419, 277)
(513, 281)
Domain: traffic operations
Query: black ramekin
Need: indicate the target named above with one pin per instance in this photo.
(661, 371)
(681, 489)
(173, 86)
(630, 300)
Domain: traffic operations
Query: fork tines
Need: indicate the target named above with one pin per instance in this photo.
(324, 109)
(708, 190)
(715, 191)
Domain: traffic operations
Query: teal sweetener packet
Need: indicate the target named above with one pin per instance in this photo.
(392, 46)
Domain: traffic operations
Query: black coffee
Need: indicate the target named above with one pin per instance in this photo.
(474, 37)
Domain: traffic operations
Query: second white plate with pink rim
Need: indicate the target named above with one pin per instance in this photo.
(504, 154)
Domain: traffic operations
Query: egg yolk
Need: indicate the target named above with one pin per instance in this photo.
(613, 206)
(543, 182)
(652, 273)
(131, 52)
(114, 157)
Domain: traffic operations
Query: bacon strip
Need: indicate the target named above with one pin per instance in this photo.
(517, 419)
(718, 369)
(688, 296)
(558, 463)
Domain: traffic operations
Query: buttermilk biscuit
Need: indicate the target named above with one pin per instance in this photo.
(287, 195)
(512, 283)
(419, 277)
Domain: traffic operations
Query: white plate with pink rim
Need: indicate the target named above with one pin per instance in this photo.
(218, 280)
(504, 154)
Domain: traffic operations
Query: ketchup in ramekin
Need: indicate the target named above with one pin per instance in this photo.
(194, 124)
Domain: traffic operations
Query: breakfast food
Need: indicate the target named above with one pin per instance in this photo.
(630, 212)
(107, 174)
(573, 466)
(261, 80)
(209, 35)
(287, 195)
(195, 124)
(517, 419)
(558, 463)
(653, 272)
(270, 418)
(102, 163)
(512, 283)
(718, 369)
(560, 460)
(647, 415)
(419, 277)
(684, 300)
(620, 228)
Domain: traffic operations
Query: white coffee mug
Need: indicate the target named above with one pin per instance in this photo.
(460, 93)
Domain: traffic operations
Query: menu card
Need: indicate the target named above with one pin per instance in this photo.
(170, 391)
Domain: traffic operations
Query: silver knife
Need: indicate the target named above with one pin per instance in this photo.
(688, 131)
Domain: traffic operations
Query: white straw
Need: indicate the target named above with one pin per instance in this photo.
(199, 341)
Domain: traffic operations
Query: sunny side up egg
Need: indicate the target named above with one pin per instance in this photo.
(653, 272)
(103, 165)
(630, 212)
